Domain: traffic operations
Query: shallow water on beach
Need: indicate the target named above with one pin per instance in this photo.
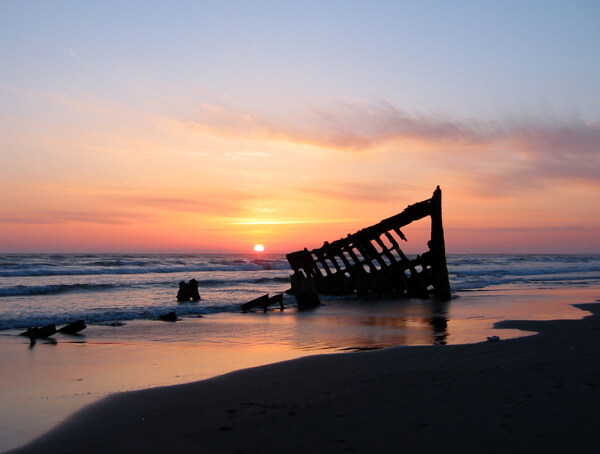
(40, 385)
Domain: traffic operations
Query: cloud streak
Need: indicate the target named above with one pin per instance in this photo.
(290, 221)
(352, 192)
(49, 217)
(532, 149)
(207, 204)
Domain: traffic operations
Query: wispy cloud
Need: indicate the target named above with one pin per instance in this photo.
(520, 152)
(501, 155)
(357, 191)
(78, 59)
(350, 125)
(290, 221)
(226, 203)
(570, 151)
(204, 205)
(46, 217)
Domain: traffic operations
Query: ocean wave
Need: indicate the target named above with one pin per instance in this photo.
(233, 282)
(22, 290)
(141, 269)
(492, 269)
(474, 282)
(115, 263)
(26, 290)
(268, 280)
(459, 265)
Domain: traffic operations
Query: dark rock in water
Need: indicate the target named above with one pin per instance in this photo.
(188, 291)
(183, 293)
(168, 317)
(73, 328)
(40, 333)
(193, 287)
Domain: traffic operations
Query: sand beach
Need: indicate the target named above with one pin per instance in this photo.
(538, 393)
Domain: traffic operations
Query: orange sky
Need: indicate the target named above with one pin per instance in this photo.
(244, 131)
(165, 185)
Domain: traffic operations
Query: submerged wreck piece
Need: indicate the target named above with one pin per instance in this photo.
(73, 328)
(370, 261)
(42, 332)
(263, 302)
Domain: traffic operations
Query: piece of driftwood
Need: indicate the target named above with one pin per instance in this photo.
(42, 332)
(370, 261)
(263, 302)
(73, 328)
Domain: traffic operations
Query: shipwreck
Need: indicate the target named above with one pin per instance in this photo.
(371, 262)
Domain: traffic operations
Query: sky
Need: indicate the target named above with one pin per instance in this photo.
(201, 126)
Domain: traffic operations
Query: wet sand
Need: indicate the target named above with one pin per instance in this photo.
(532, 394)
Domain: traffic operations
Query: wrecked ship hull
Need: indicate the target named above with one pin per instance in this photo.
(371, 261)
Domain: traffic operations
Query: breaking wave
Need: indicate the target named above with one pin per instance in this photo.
(117, 267)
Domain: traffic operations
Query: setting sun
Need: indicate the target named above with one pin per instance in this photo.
(259, 248)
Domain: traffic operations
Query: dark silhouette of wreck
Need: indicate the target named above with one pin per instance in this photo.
(370, 261)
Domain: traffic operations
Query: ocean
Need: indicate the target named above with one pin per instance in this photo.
(38, 289)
